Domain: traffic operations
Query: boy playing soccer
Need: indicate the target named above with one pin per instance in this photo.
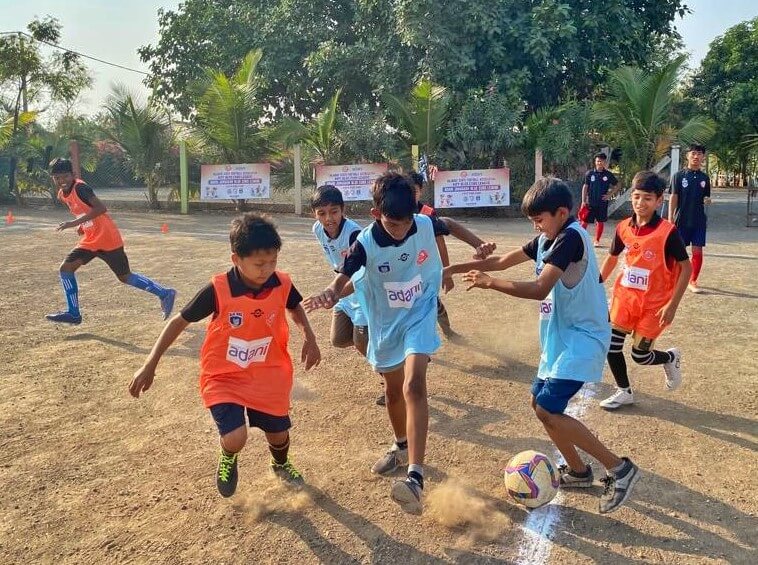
(647, 293)
(245, 366)
(397, 289)
(100, 238)
(574, 332)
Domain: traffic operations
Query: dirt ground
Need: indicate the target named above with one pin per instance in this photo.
(90, 475)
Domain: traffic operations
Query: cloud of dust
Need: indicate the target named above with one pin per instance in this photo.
(302, 391)
(256, 506)
(454, 506)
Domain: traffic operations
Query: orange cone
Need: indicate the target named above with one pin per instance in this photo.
(9, 218)
(164, 228)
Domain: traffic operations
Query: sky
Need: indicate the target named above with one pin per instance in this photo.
(113, 31)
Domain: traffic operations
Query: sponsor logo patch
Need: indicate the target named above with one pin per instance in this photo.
(242, 353)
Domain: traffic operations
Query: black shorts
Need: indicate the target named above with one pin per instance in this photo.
(116, 259)
(597, 213)
(229, 416)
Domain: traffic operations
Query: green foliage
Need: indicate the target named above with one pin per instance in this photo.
(318, 135)
(422, 118)
(364, 137)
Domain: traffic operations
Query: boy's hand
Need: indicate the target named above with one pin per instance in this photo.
(485, 250)
(447, 283)
(666, 314)
(477, 279)
(141, 381)
(707, 201)
(325, 299)
(311, 354)
(65, 225)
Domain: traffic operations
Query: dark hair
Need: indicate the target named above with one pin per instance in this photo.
(648, 181)
(546, 195)
(394, 196)
(326, 194)
(601, 156)
(253, 232)
(59, 166)
(416, 178)
(697, 147)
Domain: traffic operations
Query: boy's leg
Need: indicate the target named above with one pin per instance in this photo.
(671, 359)
(276, 429)
(599, 226)
(119, 264)
(443, 319)
(617, 364)
(360, 339)
(71, 263)
(395, 402)
(698, 242)
(341, 332)
(230, 421)
(601, 216)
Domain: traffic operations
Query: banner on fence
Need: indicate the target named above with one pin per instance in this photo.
(239, 181)
(354, 181)
(472, 189)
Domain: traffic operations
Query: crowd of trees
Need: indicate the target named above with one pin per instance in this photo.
(474, 84)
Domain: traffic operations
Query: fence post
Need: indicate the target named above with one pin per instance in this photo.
(298, 157)
(73, 148)
(537, 164)
(414, 157)
(183, 177)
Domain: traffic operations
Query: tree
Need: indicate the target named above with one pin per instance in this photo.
(634, 115)
(318, 136)
(143, 131)
(422, 118)
(726, 86)
(28, 79)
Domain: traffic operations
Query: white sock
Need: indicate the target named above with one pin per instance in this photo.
(413, 468)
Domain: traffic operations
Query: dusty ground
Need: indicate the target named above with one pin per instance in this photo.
(89, 475)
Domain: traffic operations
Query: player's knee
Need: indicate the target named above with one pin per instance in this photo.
(340, 341)
(235, 440)
(392, 394)
(123, 278)
(544, 416)
(414, 389)
(67, 267)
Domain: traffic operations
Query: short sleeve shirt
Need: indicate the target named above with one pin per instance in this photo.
(598, 183)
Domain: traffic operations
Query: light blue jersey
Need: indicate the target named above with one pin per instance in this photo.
(335, 251)
(398, 290)
(575, 333)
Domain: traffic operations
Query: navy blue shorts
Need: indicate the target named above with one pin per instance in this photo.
(229, 416)
(598, 212)
(693, 235)
(553, 395)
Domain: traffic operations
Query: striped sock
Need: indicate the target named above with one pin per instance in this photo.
(71, 290)
(143, 283)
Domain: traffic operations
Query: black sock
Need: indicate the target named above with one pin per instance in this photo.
(617, 363)
(654, 357)
(418, 477)
(402, 444)
(279, 452)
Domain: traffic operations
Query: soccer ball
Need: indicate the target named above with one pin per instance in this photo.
(531, 479)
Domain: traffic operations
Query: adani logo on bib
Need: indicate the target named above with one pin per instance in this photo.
(242, 352)
(635, 277)
(403, 294)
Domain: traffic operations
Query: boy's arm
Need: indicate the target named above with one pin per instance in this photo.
(310, 354)
(97, 209)
(667, 313)
(673, 203)
(534, 290)
(608, 265)
(493, 263)
(143, 378)
(585, 188)
(329, 296)
(447, 281)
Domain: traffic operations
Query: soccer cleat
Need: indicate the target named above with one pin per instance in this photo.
(64, 318)
(571, 479)
(694, 288)
(167, 303)
(618, 399)
(226, 474)
(287, 473)
(381, 401)
(390, 461)
(673, 369)
(407, 493)
(619, 487)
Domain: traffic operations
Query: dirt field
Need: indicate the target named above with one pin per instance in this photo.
(90, 475)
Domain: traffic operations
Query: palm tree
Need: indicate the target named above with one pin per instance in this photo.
(634, 115)
(422, 118)
(143, 131)
(318, 135)
(228, 125)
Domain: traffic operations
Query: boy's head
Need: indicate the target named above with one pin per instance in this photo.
(695, 156)
(548, 205)
(417, 180)
(600, 161)
(328, 207)
(647, 193)
(255, 247)
(394, 204)
(62, 172)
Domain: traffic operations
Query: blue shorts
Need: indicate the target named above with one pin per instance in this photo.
(553, 395)
(694, 235)
(229, 416)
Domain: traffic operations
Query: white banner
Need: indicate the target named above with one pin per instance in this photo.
(354, 181)
(240, 181)
(472, 189)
